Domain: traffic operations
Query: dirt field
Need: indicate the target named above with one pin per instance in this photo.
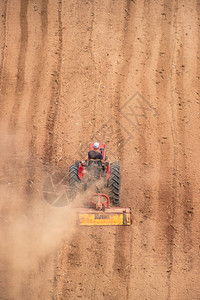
(125, 73)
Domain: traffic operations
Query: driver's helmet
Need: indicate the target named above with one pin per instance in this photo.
(96, 145)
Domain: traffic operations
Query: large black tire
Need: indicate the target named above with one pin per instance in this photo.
(114, 183)
(74, 180)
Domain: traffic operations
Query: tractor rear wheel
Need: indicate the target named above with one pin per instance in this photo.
(114, 183)
(74, 180)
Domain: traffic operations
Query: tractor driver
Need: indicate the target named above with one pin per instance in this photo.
(95, 156)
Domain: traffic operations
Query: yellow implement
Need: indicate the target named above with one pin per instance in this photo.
(112, 216)
(100, 213)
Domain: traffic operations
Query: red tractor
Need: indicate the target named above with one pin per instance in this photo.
(84, 173)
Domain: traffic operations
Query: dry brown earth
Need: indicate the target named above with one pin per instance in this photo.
(126, 73)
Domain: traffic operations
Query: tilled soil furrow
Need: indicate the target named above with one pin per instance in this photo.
(21, 65)
(3, 40)
(50, 144)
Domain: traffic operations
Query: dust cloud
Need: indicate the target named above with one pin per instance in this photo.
(31, 230)
(27, 237)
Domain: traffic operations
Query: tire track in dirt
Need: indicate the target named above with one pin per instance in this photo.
(32, 110)
(144, 39)
(10, 34)
(4, 16)
(123, 262)
(126, 37)
(146, 35)
(50, 142)
(198, 51)
(92, 58)
(21, 64)
(185, 191)
(167, 186)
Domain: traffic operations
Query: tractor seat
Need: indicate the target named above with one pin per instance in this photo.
(94, 161)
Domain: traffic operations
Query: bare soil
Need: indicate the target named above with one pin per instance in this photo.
(125, 73)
